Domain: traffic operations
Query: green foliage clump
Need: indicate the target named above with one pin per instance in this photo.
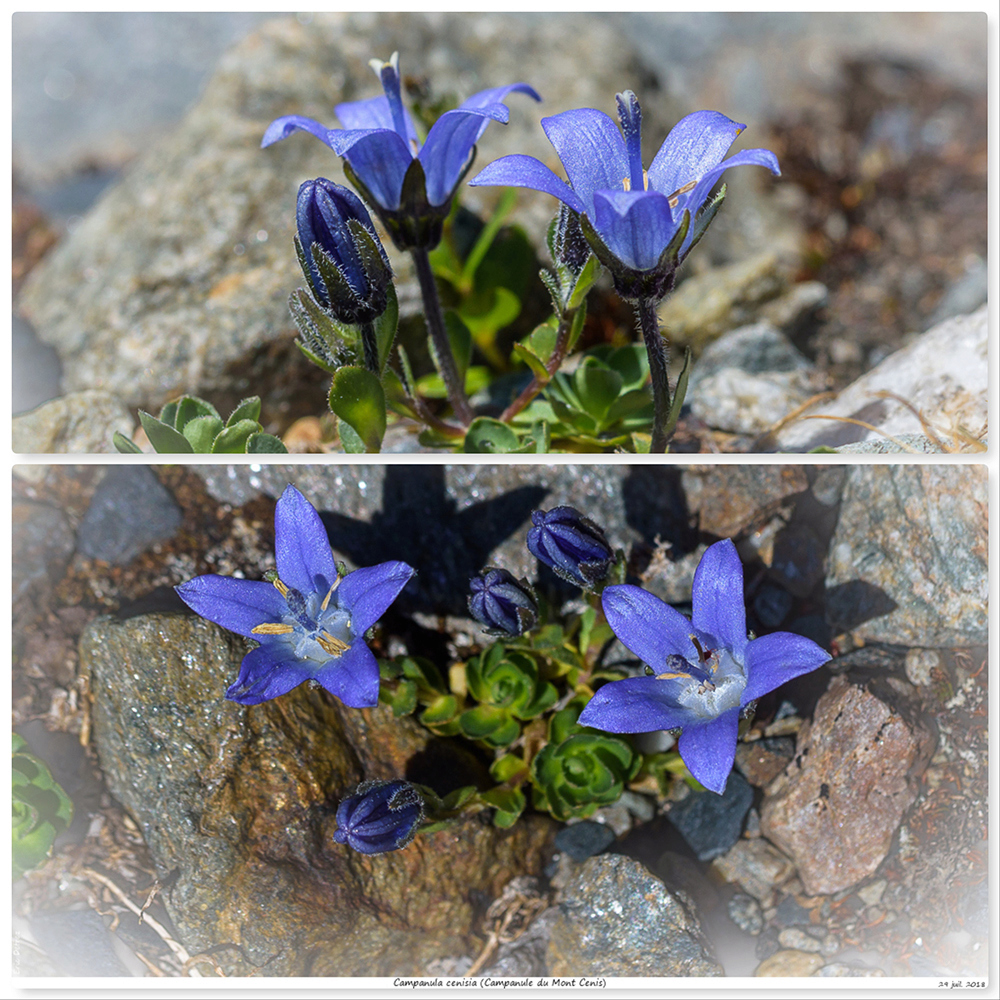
(41, 809)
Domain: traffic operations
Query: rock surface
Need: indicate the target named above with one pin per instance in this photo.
(855, 772)
(79, 423)
(618, 919)
(943, 374)
(237, 806)
(908, 560)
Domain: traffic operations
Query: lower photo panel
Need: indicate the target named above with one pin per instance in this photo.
(520, 722)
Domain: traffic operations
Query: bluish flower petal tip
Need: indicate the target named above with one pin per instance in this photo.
(380, 816)
(640, 223)
(309, 622)
(572, 545)
(409, 185)
(705, 672)
(502, 604)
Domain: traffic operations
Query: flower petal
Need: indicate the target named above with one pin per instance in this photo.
(592, 151)
(494, 95)
(374, 113)
(695, 145)
(519, 170)
(301, 546)
(368, 591)
(379, 157)
(709, 750)
(267, 672)
(352, 677)
(717, 596)
(647, 626)
(745, 157)
(636, 226)
(282, 128)
(238, 605)
(445, 154)
(635, 705)
(773, 659)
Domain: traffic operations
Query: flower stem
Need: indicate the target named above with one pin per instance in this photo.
(535, 386)
(659, 358)
(439, 336)
(370, 347)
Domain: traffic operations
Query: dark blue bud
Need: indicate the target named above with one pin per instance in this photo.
(340, 253)
(502, 604)
(380, 816)
(571, 544)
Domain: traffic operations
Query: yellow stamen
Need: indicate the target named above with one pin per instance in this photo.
(272, 628)
(331, 644)
(673, 199)
(280, 587)
(627, 183)
(329, 594)
(645, 180)
(672, 677)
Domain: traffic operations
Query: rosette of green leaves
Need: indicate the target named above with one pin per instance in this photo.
(42, 810)
(510, 690)
(580, 769)
(408, 682)
(192, 425)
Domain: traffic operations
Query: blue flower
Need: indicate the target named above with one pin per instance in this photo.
(310, 622)
(637, 221)
(341, 254)
(380, 816)
(504, 605)
(705, 671)
(572, 545)
(410, 186)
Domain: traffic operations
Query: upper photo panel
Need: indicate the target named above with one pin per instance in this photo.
(500, 233)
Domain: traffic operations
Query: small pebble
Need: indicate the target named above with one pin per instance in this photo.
(790, 962)
(871, 894)
(745, 912)
(920, 664)
(799, 940)
(584, 839)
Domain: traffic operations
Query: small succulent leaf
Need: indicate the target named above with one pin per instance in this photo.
(358, 399)
(232, 440)
(350, 439)
(508, 802)
(404, 701)
(597, 387)
(201, 432)
(587, 621)
(521, 352)
(508, 768)
(440, 711)
(168, 414)
(458, 797)
(165, 440)
(584, 283)
(487, 436)
(248, 409)
(629, 404)
(41, 810)
(579, 318)
(191, 407)
(125, 445)
(265, 444)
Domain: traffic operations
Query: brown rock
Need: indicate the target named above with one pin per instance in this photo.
(790, 963)
(728, 499)
(835, 808)
(237, 807)
(762, 761)
(756, 866)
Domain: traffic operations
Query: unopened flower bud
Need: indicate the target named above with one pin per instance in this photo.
(571, 544)
(502, 604)
(380, 816)
(340, 253)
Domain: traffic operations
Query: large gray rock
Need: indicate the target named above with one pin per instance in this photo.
(82, 422)
(942, 374)
(907, 563)
(178, 279)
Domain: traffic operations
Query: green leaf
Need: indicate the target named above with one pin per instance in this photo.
(587, 620)
(265, 444)
(41, 809)
(579, 318)
(487, 436)
(584, 282)
(486, 238)
(490, 724)
(248, 409)
(432, 385)
(165, 440)
(458, 797)
(191, 407)
(597, 387)
(404, 701)
(440, 711)
(521, 352)
(679, 393)
(507, 768)
(386, 326)
(201, 432)
(233, 440)
(349, 439)
(169, 414)
(508, 802)
(358, 399)
(502, 311)
(460, 339)
(125, 445)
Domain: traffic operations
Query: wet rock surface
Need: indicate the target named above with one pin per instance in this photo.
(617, 919)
